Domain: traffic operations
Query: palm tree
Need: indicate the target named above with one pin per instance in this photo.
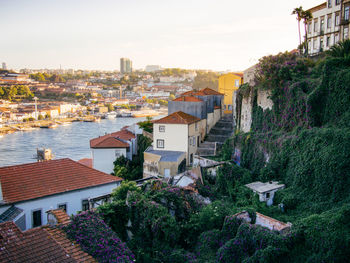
(340, 50)
(306, 16)
(298, 11)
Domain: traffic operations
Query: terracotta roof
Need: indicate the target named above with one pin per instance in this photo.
(61, 216)
(178, 117)
(71, 248)
(35, 180)
(188, 93)
(38, 245)
(208, 91)
(108, 141)
(188, 98)
(112, 140)
(86, 161)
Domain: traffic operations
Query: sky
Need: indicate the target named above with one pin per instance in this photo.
(193, 34)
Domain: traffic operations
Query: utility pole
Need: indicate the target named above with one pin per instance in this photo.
(36, 108)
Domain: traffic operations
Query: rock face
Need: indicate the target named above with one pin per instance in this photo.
(263, 99)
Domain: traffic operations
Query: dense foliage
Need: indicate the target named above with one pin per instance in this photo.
(304, 142)
(98, 239)
(15, 92)
(206, 80)
(132, 169)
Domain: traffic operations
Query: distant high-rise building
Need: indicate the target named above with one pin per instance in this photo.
(152, 68)
(4, 65)
(125, 65)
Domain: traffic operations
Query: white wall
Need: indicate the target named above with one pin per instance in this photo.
(175, 137)
(210, 121)
(263, 99)
(103, 158)
(246, 114)
(72, 199)
(217, 115)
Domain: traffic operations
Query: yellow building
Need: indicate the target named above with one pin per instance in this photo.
(228, 83)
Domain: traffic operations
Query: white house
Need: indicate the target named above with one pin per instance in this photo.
(106, 149)
(29, 190)
(178, 131)
(266, 191)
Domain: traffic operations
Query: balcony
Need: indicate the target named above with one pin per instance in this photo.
(344, 22)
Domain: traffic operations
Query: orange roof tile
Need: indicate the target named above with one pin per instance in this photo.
(112, 140)
(108, 141)
(188, 98)
(38, 245)
(61, 216)
(208, 91)
(86, 161)
(35, 180)
(188, 93)
(178, 117)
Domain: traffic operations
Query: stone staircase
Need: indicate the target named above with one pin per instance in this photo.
(222, 130)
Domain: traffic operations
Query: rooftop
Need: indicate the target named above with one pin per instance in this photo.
(188, 99)
(166, 156)
(113, 140)
(208, 91)
(44, 244)
(264, 187)
(34, 180)
(178, 117)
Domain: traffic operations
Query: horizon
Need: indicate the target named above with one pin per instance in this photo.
(198, 35)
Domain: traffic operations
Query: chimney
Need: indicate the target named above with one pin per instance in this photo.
(1, 197)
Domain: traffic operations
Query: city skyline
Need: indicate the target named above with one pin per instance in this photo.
(217, 35)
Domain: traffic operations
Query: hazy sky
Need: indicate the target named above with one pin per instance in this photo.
(94, 34)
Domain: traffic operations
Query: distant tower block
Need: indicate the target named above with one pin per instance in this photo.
(125, 65)
(4, 66)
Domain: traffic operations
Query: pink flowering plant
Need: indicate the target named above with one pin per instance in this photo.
(97, 239)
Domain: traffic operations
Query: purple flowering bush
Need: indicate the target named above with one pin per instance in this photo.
(97, 239)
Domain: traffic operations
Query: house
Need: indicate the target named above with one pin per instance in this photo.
(206, 104)
(266, 191)
(178, 131)
(106, 149)
(29, 190)
(265, 221)
(163, 163)
(329, 25)
(228, 84)
(42, 244)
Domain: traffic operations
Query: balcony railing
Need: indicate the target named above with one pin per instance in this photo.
(344, 22)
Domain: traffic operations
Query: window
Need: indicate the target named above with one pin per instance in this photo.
(337, 2)
(321, 44)
(160, 143)
(337, 19)
(36, 218)
(267, 195)
(309, 28)
(196, 126)
(85, 205)
(346, 13)
(314, 44)
(236, 83)
(309, 45)
(229, 107)
(194, 141)
(329, 22)
(117, 153)
(315, 26)
(161, 128)
(322, 25)
(328, 41)
(63, 206)
(329, 3)
(336, 39)
(346, 33)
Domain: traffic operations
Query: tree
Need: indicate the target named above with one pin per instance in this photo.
(299, 12)
(171, 97)
(340, 50)
(306, 16)
(206, 80)
(121, 192)
(110, 107)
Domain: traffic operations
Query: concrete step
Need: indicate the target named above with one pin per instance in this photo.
(206, 144)
(205, 152)
(225, 125)
(221, 131)
(217, 138)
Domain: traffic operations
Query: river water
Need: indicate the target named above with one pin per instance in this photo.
(71, 141)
